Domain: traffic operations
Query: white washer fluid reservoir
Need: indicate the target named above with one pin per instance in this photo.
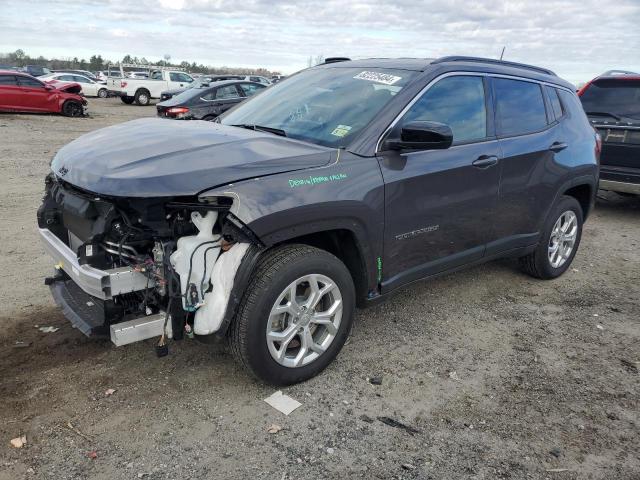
(194, 258)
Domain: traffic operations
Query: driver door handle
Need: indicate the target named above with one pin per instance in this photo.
(558, 146)
(485, 161)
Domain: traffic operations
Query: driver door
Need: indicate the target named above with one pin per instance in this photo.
(439, 204)
(34, 96)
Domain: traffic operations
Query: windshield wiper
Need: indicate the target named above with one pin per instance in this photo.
(260, 128)
(605, 114)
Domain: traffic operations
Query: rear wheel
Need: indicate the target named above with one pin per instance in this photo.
(143, 98)
(102, 93)
(295, 315)
(127, 100)
(71, 109)
(559, 242)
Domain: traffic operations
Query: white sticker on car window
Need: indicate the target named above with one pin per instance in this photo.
(341, 130)
(378, 77)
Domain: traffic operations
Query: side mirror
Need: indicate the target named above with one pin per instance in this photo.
(421, 135)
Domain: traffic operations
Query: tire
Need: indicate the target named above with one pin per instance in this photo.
(539, 263)
(127, 100)
(143, 97)
(274, 275)
(72, 109)
(103, 93)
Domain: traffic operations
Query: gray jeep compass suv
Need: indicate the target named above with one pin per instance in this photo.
(330, 189)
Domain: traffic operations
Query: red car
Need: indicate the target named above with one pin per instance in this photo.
(20, 92)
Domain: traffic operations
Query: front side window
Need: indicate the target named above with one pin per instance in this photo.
(157, 75)
(325, 106)
(180, 77)
(29, 82)
(227, 92)
(455, 101)
(519, 107)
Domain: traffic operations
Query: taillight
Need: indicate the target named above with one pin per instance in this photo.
(178, 110)
(598, 145)
(123, 84)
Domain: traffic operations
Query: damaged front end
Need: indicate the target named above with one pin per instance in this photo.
(136, 268)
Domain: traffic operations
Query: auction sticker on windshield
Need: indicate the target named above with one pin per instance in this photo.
(378, 77)
(341, 130)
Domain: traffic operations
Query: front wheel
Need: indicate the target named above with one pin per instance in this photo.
(71, 109)
(559, 241)
(295, 316)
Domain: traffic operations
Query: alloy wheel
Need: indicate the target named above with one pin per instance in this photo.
(563, 239)
(304, 320)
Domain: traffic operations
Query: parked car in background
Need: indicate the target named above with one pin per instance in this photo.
(206, 103)
(36, 70)
(257, 79)
(89, 87)
(612, 103)
(20, 92)
(102, 75)
(277, 78)
(202, 81)
(84, 73)
(143, 90)
(332, 189)
(8, 67)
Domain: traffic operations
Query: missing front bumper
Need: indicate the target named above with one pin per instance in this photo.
(102, 284)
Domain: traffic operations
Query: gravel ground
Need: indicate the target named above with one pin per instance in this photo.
(498, 375)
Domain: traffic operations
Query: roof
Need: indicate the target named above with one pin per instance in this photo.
(489, 65)
(14, 72)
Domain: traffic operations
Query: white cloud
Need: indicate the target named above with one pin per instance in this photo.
(577, 38)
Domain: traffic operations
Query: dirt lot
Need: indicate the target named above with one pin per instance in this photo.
(546, 381)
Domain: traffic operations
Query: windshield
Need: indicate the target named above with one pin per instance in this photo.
(618, 96)
(327, 106)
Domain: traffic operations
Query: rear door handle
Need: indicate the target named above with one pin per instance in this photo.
(485, 161)
(558, 146)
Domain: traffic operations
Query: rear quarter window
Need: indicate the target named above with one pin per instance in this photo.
(556, 106)
(519, 107)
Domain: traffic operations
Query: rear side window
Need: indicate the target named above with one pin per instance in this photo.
(8, 80)
(519, 107)
(456, 101)
(227, 92)
(618, 96)
(556, 106)
(250, 88)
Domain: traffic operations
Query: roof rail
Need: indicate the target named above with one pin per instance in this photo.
(457, 58)
(611, 73)
(335, 60)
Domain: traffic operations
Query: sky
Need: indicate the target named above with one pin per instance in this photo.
(578, 39)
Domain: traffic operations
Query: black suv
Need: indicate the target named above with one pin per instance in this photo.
(330, 190)
(612, 103)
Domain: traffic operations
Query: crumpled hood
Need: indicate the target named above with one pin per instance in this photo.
(69, 87)
(154, 157)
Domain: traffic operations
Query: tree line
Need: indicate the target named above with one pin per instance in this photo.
(95, 63)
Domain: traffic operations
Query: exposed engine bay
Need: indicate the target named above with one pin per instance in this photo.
(134, 268)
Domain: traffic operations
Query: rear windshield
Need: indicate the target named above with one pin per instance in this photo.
(617, 96)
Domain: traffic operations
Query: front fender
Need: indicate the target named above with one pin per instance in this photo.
(347, 194)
